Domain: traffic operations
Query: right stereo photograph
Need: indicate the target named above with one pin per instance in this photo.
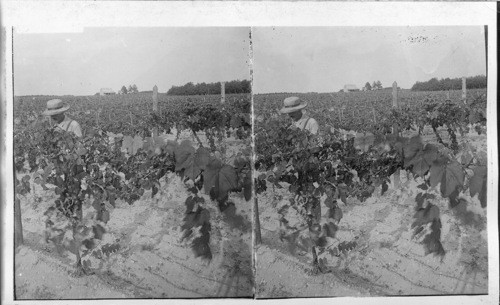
(370, 161)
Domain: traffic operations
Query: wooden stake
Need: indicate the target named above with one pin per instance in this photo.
(395, 129)
(155, 98)
(464, 89)
(222, 92)
(257, 233)
(18, 225)
(155, 108)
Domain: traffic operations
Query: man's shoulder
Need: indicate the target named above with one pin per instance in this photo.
(71, 120)
(312, 121)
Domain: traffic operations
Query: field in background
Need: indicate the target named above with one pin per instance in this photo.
(113, 112)
(360, 111)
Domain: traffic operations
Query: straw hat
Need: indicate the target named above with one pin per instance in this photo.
(55, 107)
(292, 104)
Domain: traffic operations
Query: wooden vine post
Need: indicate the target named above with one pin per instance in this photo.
(223, 101)
(256, 222)
(155, 98)
(395, 128)
(155, 107)
(18, 224)
(486, 47)
(222, 92)
(464, 89)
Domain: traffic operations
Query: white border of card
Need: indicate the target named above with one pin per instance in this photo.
(68, 16)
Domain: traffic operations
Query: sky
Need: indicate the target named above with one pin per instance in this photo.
(285, 59)
(83, 63)
(324, 59)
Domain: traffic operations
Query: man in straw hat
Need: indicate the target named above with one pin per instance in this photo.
(293, 107)
(56, 109)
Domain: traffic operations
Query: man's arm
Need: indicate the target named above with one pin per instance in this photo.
(312, 126)
(75, 128)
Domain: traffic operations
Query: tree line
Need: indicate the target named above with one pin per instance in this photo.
(475, 82)
(235, 86)
(131, 89)
(377, 85)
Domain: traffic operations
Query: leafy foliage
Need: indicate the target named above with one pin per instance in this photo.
(92, 172)
(341, 164)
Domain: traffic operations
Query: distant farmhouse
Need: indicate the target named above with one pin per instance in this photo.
(350, 88)
(106, 91)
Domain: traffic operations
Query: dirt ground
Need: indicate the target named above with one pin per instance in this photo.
(386, 260)
(145, 257)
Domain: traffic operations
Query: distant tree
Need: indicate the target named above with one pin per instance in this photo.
(235, 86)
(378, 84)
(246, 87)
(133, 89)
(123, 90)
(368, 87)
(475, 82)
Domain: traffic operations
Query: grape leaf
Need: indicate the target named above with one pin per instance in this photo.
(477, 184)
(98, 231)
(423, 160)
(171, 147)
(342, 188)
(105, 216)
(184, 153)
(364, 141)
(151, 143)
(132, 145)
(240, 163)
(330, 229)
(330, 202)
(235, 121)
(335, 213)
(412, 148)
(423, 186)
(88, 243)
(222, 178)
(191, 161)
(449, 174)
(453, 198)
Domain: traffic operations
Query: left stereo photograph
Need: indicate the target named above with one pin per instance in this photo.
(132, 158)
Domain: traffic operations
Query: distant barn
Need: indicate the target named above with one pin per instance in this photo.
(106, 91)
(350, 88)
